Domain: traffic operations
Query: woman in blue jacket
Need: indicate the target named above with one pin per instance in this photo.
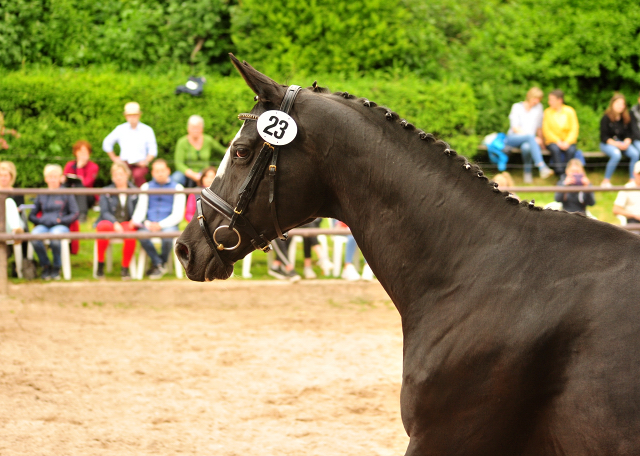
(53, 213)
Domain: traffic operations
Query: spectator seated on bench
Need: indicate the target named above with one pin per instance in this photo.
(116, 210)
(13, 221)
(155, 213)
(53, 213)
(525, 132)
(560, 130)
(627, 204)
(81, 172)
(616, 138)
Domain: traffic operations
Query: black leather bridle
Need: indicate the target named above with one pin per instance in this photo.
(236, 215)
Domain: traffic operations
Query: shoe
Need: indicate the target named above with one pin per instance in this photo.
(124, 274)
(100, 272)
(293, 276)
(367, 273)
(326, 266)
(281, 273)
(55, 274)
(46, 272)
(546, 172)
(605, 184)
(278, 272)
(156, 272)
(349, 273)
(309, 274)
(527, 178)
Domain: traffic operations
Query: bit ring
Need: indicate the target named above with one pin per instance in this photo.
(226, 248)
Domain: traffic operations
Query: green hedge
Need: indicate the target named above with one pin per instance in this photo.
(53, 109)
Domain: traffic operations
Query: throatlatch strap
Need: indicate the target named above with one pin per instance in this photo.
(285, 106)
(272, 193)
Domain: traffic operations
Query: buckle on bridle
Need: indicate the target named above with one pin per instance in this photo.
(272, 169)
(268, 145)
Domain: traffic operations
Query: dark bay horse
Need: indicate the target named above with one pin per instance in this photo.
(521, 326)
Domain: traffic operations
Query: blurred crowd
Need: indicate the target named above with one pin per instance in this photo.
(531, 129)
(56, 212)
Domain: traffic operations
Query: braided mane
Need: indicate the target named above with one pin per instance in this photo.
(390, 115)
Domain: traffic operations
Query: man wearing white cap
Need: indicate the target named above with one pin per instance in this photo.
(137, 143)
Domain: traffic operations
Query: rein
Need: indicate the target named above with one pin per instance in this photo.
(247, 190)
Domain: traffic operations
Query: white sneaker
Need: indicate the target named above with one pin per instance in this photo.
(546, 172)
(367, 273)
(349, 273)
(309, 274)
(326, 266)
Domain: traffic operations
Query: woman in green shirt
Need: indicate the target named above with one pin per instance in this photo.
(193, 153)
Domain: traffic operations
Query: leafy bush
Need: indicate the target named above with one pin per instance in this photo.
(335, 36)
(127, 34)
(53, 109)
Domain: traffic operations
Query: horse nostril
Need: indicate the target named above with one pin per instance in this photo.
(182, 251)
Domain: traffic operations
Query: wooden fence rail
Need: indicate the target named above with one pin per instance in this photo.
(4, 237)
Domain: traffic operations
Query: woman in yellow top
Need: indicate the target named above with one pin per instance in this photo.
(194, 152)
(560, 130)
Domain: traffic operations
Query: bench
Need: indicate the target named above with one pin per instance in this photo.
(515, 150)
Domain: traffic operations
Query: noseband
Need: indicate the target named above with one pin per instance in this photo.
(236, 216)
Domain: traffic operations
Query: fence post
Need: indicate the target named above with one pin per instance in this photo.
(4, 272)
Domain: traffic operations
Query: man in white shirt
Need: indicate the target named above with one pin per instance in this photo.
(157, 212)
(137, 143)
(627, 204)
(525, 132)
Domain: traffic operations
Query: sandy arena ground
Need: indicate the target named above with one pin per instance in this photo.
(177, 367)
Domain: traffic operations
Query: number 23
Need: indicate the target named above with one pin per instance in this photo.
(283, 127)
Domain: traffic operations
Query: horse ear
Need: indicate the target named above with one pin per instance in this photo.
(266, 88)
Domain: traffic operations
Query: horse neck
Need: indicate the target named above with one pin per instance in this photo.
(416, 213)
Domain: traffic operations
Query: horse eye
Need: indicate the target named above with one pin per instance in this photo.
(242, 153)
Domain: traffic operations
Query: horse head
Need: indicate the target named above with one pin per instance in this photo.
(261, 189)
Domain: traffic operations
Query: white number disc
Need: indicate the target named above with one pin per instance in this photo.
(277, 127)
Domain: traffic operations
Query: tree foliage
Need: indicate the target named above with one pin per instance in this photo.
(497, 49)
(127, 34)
(336, 36)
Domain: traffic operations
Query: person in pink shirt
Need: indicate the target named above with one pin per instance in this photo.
(82, 172)
(207, 177)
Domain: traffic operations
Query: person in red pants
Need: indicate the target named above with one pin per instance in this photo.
(116, 210)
